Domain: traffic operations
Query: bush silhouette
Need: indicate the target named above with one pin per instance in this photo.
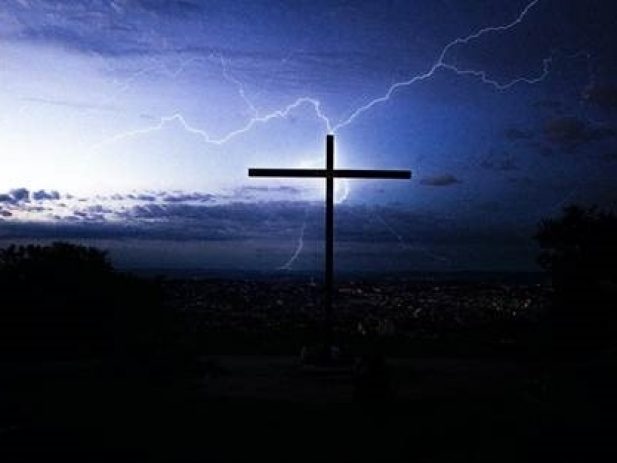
(65, 301)
(579, 250)
(54, 299)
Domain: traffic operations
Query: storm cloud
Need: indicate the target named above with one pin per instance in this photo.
(440, 180)
(571, 132)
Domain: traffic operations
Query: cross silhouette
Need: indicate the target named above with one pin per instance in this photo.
(330, 173)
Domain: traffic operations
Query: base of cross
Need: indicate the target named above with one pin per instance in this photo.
(368, 372)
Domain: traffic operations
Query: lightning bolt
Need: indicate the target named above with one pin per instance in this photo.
(288, 265)
(405, 245)
(282, 113)
(558, 206)
(207, 138)
(257, 119)
(161, 67)
(240, 86)
(441, 63)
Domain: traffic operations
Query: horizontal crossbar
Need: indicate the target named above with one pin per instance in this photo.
(337, 173)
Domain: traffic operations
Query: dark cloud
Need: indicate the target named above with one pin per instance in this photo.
(280, 221)
(43, 195)
(167, 196)
(245, 225)
(20, 194)
(145, 197)
(440, 180)
(566, 131)
(187, 197)
(5, 213)
(180, 221)
(251, 192)
(36, 209)
(148, 211)
(90, 214)
(602, 96)
(169, 29)
(270, 189)
(571, 132)
(99, 209)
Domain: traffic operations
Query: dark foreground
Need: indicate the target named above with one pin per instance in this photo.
(463, 372)
(99, 366)
(248, 408)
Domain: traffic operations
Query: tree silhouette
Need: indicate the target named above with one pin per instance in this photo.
(55, 299)
(65, 301)
(579, 250)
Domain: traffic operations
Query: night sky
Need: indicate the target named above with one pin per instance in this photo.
(130, 125)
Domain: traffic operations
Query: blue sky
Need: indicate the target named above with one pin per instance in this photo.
(129, 124)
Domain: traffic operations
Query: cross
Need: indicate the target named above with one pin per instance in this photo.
(330, 173)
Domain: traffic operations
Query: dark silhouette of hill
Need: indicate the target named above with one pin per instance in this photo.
(58, 301)
(66, 302)
(99, 366)
(80, 346)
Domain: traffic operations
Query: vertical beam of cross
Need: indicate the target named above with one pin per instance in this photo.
(330, 173)
(329, 238)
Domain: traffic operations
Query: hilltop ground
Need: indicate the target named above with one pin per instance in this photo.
(465, 377)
